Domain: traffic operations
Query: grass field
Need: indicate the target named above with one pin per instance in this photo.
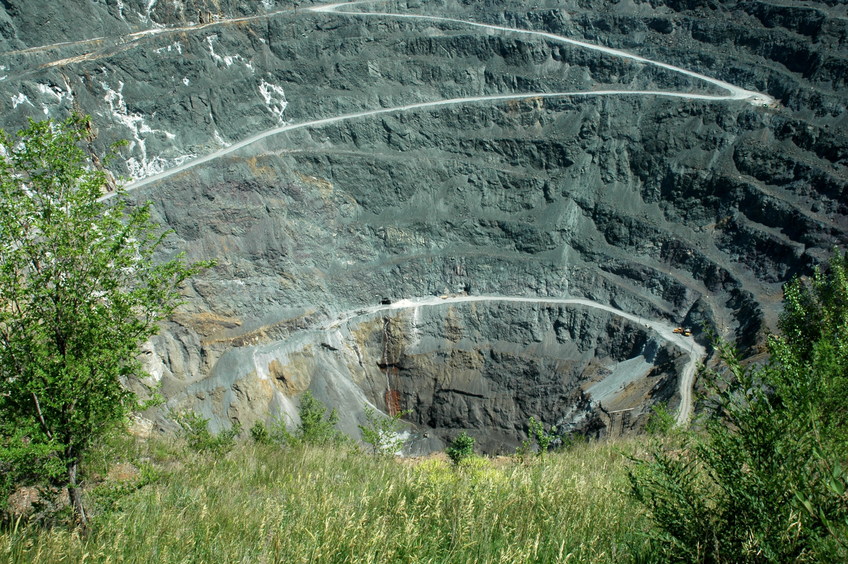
(157, 502)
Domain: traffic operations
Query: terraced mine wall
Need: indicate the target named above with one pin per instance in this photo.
(332, 161)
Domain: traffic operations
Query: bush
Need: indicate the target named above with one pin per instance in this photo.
(383, 433)
(661, 421)
(544, 439)
(260, 434)
(461, 448)
(764, 481)
(195, 430)
(316, 427)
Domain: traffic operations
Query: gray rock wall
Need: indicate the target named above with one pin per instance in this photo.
(688, 211)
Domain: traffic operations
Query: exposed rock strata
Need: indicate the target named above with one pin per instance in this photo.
(691, 211)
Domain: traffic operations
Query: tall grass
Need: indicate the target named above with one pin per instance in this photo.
(263, 504)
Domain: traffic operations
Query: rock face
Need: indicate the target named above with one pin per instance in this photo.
(681, 202)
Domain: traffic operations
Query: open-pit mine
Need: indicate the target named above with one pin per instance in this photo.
(479, 212)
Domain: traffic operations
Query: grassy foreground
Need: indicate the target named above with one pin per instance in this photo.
(265, 504)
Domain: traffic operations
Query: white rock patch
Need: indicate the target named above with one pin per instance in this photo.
(226, 60)
(19, 99)
(220, 140)
(139, 165)
(274, 98)
(176, 46)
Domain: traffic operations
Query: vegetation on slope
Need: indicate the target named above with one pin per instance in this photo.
(764, 480)
(79, 293)
(261, 503)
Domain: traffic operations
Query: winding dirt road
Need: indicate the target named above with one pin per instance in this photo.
(400, 109)
(693, 350)
(735, 93)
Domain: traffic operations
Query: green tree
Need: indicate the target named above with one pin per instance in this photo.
(765, 480)
(383, 433)
(79, 292)
(460, 448)
(316, 426)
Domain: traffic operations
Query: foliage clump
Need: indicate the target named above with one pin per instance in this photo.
(194, 429)
(766, 479)
(661, 421)
(79, 292)
(382, 433)
(260, 434)
(316, 427)
(461, 448)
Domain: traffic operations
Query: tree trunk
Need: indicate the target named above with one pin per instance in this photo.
(75, 493)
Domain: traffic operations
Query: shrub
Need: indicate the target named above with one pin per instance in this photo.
(316, 427)
(661, 421)
(461, 447)
(194, 429)
(544, 439)
(383, 433)
(764, 481)
(260, 434)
